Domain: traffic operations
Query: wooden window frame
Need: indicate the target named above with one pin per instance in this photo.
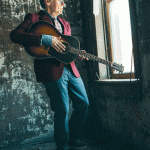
(120, 75)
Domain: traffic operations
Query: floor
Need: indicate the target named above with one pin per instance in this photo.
(91, 145)
(93, 140)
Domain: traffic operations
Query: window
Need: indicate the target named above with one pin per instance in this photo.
(119, 36)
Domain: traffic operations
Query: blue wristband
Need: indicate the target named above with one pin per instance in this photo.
(46, 40)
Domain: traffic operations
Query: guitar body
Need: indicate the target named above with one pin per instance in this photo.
(42, 27)
(71, 43)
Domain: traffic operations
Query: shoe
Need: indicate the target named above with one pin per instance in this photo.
(62, 148)
(76, 144)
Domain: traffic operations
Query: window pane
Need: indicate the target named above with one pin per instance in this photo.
(121, 33)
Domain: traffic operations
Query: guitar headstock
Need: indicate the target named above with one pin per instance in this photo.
(117, 67)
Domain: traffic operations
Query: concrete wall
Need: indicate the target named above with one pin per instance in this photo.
(120, 113)
(25, 113)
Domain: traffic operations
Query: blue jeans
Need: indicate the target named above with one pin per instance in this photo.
(59, 92)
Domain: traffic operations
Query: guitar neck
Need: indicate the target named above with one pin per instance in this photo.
(90, 56)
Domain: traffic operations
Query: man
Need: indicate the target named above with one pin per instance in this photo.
(60, 80)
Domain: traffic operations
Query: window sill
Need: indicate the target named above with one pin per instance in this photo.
(118, 81)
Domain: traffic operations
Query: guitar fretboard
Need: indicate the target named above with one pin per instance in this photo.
(90, 56)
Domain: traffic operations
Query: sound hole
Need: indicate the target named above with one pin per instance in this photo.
(67, 49)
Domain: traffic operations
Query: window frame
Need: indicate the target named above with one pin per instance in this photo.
(120, 75)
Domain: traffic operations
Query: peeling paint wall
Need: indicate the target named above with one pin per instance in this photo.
(25, 112)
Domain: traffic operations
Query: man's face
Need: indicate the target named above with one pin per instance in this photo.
(56, 6)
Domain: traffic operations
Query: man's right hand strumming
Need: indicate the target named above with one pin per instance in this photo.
(57, 45)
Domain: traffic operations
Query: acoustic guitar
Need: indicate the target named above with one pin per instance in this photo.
(72, 44)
